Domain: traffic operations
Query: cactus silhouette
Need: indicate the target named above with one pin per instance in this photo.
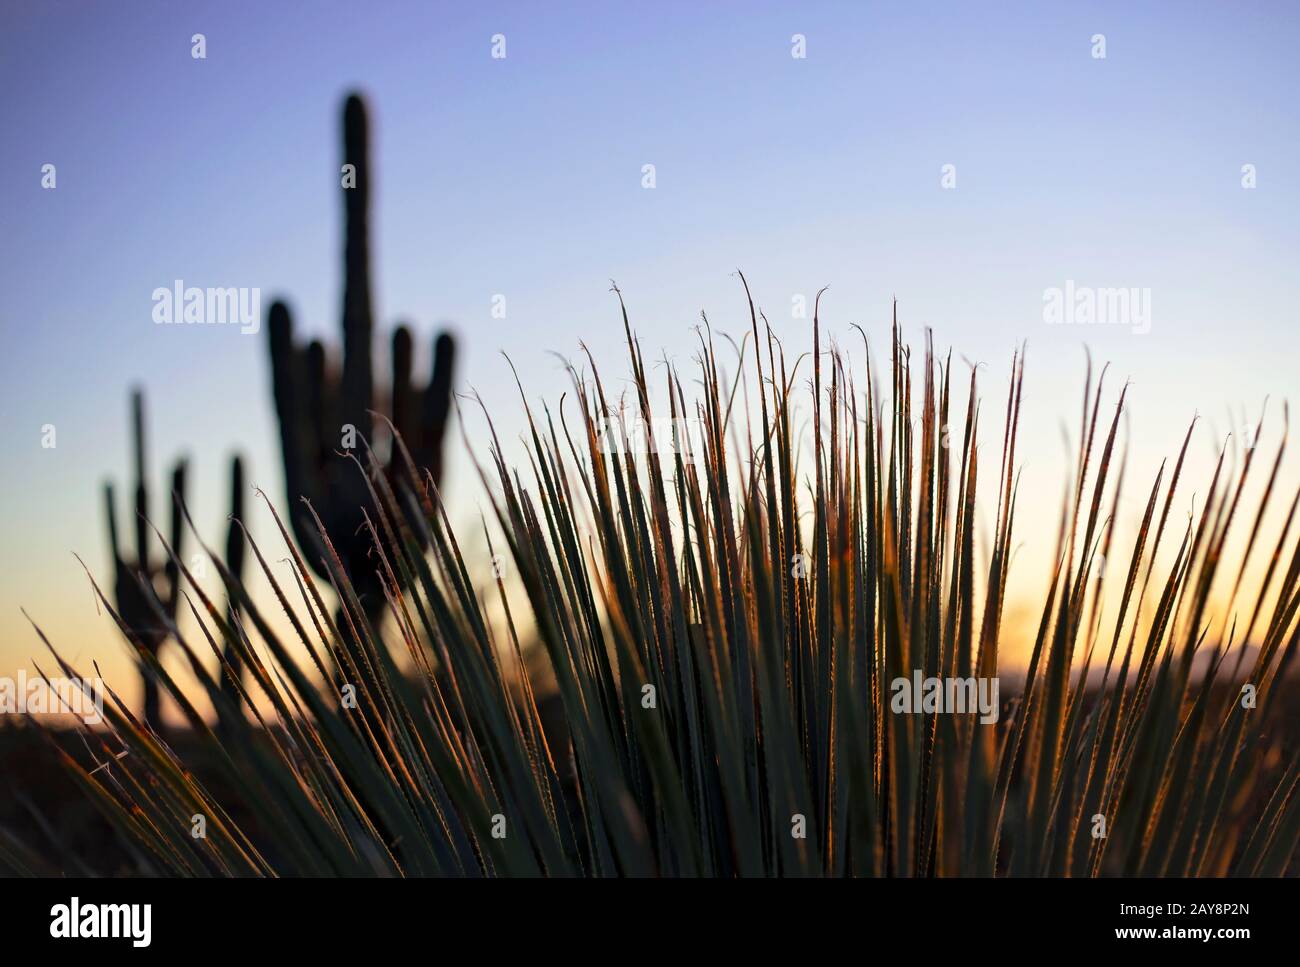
(134, 606)
(319, 409)
(133, 580)
(235, 565)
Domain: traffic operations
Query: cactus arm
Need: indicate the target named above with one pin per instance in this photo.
(235, 547)
(141, 488)
(357, 388)
(110, 514)
(299, 478)
(172, 569)
(401, 411)
(235, 534)
(437, 405)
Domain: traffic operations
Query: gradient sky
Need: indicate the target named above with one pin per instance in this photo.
(522, 177)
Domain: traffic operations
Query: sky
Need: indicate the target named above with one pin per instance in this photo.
(523, 177)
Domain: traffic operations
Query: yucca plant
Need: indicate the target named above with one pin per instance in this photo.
(723, 621)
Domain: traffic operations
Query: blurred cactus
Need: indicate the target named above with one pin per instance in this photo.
(133, 580)
(234, 564)
(323, 412)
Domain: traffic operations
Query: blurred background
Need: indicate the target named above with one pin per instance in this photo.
(522, 177)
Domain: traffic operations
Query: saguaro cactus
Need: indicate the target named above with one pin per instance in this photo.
(323, 412)
(134, 606)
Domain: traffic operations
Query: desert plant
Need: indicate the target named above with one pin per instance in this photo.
(146, 594)
(322, 414)
(724, 626)
(141, 588)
